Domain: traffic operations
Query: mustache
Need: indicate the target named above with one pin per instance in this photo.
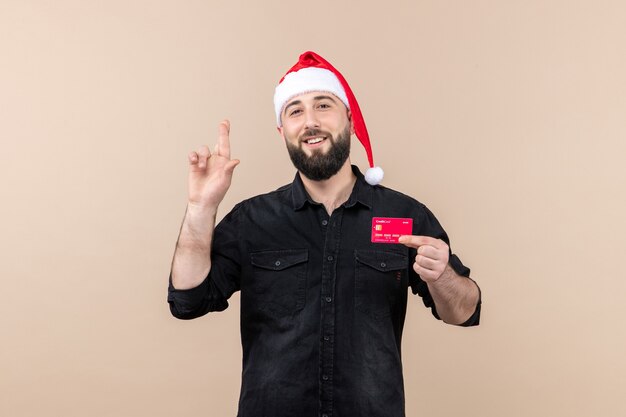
(315, 132)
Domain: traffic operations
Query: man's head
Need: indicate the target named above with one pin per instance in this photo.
(316, 127)
(316, 112)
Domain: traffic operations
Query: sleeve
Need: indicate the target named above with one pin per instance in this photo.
(428, 225)
(223, 278)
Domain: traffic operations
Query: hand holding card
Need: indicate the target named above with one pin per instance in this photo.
(432, 256)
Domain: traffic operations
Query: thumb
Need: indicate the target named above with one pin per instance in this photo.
(230, 166)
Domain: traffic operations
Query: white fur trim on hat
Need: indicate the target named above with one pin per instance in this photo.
(303, 81)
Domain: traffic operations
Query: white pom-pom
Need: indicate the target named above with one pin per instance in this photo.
(374, 175)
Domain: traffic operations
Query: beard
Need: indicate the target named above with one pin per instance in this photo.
(321, 166)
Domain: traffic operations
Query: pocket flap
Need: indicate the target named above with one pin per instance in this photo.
(382, 261)
(277, 260)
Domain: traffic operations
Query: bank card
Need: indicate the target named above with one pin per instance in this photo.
(389, 229)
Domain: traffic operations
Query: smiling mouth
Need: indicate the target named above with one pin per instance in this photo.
(314, 140)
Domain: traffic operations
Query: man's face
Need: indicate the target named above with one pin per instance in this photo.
(317, 129)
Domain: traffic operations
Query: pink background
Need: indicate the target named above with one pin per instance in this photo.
(506, 118)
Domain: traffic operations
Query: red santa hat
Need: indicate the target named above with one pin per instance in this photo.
(314, 73)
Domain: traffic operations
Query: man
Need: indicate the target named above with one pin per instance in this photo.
(323, 295)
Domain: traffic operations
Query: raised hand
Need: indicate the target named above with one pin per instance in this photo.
(210, 173)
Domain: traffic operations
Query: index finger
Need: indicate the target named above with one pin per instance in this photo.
(223, 141)
(416, 241)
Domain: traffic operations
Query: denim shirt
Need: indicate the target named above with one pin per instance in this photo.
(322, 307)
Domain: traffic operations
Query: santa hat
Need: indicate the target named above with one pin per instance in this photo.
(314, 73)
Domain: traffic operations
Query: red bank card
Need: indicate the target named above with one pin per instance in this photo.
(389, 229)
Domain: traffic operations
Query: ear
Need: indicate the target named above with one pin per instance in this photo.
(351, 124)
(280, 132)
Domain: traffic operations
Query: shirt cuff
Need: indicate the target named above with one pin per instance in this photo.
(185, 303)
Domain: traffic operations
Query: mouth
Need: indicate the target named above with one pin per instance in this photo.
(314, 140)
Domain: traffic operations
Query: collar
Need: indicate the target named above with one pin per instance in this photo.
(361, 193)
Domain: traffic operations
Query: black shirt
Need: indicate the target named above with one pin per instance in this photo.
(322, 307)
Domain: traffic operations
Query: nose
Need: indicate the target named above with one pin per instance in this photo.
(311, 120)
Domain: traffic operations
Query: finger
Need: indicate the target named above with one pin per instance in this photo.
(223, 140)
(230, 166)
(203, 155)
(425, 274)
(417, 241)
(427, 263)
(193, 158)
(431, 252)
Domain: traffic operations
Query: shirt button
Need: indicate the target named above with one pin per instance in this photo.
(325, 377)
(328, 299)
(326, 338)
(382, 264)
(324, 415)
(330, 258)
(277, 263)
(324, 222)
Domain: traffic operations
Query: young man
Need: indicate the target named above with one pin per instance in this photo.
(323, 296)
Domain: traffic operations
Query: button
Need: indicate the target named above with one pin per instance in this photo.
(328, 299)
(325, 377)
(330, 258)
(324, 415)
(277, 263)
(326, 338)
(382, 264)
(324, 222)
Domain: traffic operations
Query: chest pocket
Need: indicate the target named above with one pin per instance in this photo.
(378, 280)
(279, 280)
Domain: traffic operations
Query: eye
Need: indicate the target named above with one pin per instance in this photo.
(295, 112)
(324, 106)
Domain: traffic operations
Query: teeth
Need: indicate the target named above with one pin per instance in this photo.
(314, 140)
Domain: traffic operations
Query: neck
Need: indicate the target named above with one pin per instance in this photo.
(334, 191)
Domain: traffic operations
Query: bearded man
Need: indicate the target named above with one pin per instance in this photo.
(323, 264)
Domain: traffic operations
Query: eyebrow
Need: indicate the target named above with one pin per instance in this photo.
(323, 97)
(293, 103)
(316, 98)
